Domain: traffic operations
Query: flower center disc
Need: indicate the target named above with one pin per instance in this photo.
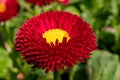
(61, 0)
(2, 7)
(53, 34)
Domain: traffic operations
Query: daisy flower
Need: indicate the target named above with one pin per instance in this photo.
(8, 9)
(55, 40)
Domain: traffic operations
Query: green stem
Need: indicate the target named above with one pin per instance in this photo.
(56, 75)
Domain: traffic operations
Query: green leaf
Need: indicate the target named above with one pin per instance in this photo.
(74, 1)
(88, 16)
(5, 63)
(102, 65)
(72, 9)
(79, 72)
(117, 38)
(117, 75)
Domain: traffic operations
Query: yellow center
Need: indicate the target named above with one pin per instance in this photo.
(54, 34)
(2, 7)
(61, 0)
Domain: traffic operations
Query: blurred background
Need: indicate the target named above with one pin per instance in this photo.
(104, 64)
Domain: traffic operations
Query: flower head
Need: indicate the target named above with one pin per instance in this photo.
(55, 40)
(8, 9)
(40, 2)
(63, 1)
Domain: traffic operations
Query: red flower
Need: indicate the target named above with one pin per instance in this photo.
(8, 9)
(40, 2)
(63, 1)
(54, 40)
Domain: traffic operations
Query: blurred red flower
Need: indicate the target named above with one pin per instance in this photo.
(8, 9)
(40, 2)
(65, 2)
(55, 40)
